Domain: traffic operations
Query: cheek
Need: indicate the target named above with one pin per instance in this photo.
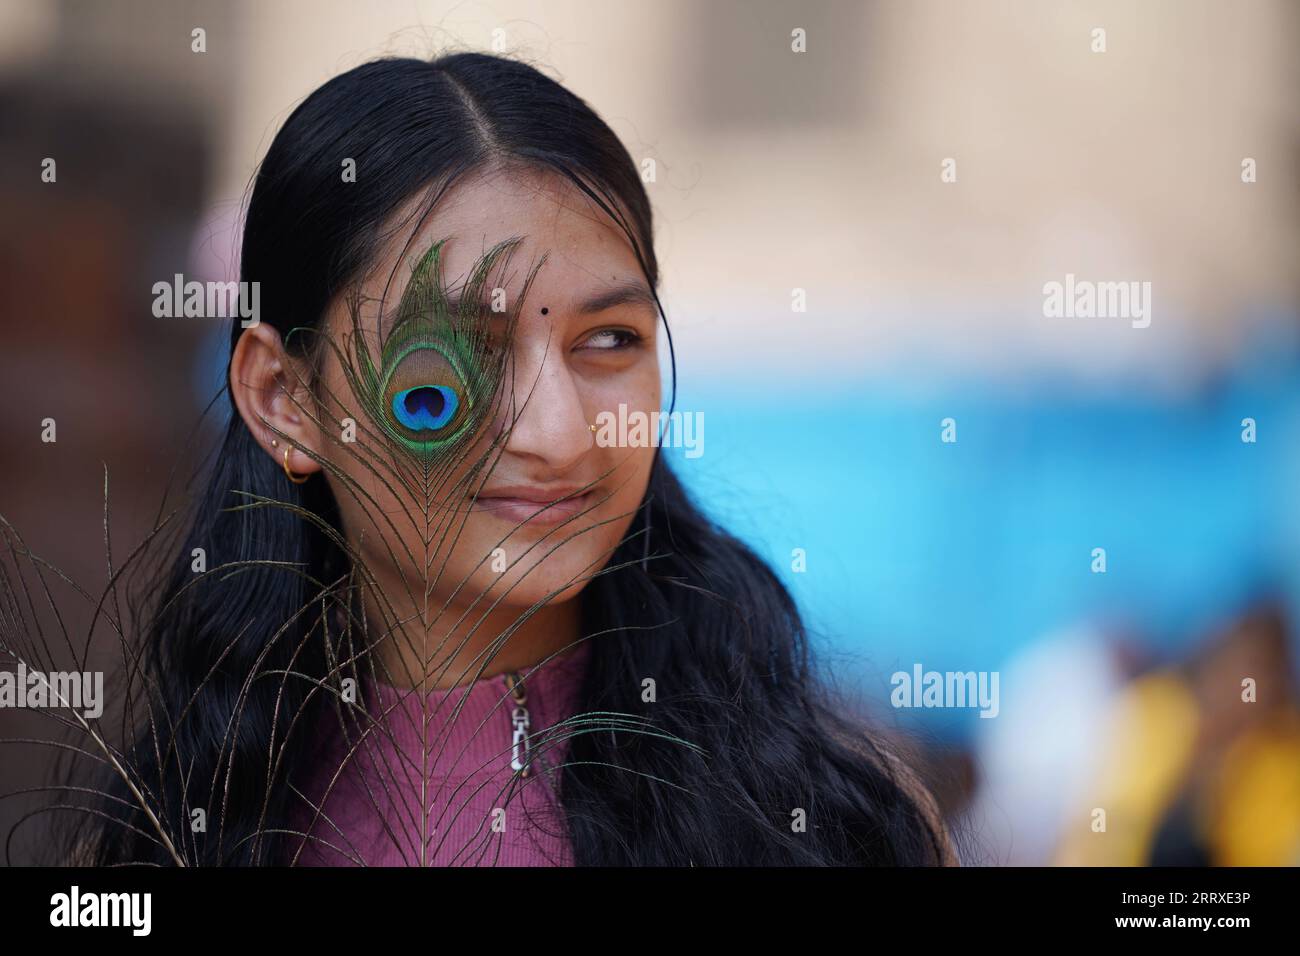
(476, 552)
(384, 516)
(626, 399)
(636, 387)
(638, 392)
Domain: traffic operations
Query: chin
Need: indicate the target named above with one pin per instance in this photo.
(522, 587)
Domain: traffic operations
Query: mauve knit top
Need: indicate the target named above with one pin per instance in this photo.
(476, 816)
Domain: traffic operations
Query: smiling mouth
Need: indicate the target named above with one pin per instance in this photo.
(548, 512)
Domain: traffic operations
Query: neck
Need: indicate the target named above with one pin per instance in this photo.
(439, 649)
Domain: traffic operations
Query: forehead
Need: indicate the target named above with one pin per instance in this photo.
(585, 249)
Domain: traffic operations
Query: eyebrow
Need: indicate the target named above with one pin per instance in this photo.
(626, 292)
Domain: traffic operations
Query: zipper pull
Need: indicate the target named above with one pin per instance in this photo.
(519, 717)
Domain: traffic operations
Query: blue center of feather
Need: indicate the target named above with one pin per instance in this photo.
(425, 406)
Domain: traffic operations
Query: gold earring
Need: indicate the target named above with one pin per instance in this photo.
(593, 427)
(292, 477)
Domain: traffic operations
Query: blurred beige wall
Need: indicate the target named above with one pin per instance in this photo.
(821, 170)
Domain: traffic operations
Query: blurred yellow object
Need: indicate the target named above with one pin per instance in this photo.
(1148, 746)
(1254, 819)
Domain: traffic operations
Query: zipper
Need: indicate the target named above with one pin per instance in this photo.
(521, 757)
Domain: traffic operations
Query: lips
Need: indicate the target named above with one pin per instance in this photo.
(536, 505)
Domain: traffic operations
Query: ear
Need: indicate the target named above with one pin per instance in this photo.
(270, 391)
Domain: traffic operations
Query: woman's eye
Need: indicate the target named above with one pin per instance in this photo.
(610, 339)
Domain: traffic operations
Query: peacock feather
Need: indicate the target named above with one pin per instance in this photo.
(439, 365)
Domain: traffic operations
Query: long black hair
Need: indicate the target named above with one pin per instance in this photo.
(727, 647)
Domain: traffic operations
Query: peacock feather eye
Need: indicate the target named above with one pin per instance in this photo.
(425, 407)
(427, 395)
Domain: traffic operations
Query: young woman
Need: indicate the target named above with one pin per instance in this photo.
(444, 619)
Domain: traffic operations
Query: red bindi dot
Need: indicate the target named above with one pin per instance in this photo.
(545, 310)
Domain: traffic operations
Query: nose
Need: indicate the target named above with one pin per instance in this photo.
(546, 416)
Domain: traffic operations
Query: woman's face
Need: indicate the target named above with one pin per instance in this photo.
(571, 356)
